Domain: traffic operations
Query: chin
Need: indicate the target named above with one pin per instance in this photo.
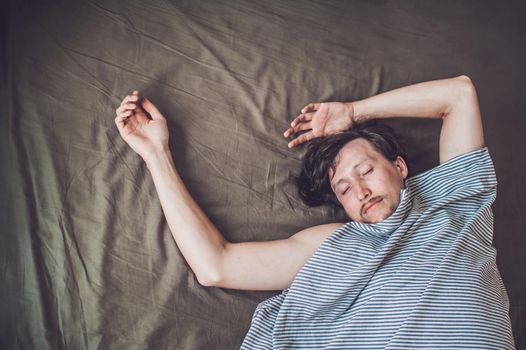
(375, 221)
(384, 216)
(371, 220)
(380, 217)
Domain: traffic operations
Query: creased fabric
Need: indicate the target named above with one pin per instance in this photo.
(87, 260)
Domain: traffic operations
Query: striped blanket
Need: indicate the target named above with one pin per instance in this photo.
(424, 278)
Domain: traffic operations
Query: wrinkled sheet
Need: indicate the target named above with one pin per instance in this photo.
(87, 260)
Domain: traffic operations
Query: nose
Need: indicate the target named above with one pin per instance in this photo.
(362, 192)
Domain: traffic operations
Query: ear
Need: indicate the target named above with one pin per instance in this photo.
(401, 166)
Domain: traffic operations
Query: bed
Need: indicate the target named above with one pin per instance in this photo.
(87, 260)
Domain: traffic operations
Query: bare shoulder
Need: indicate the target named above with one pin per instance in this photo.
(315, 235)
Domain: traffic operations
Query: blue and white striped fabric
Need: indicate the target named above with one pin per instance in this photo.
(424, 278)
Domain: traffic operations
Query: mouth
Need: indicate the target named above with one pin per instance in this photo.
(371, 205)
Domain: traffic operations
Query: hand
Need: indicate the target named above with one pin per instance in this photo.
(321, 119)
(146, 133)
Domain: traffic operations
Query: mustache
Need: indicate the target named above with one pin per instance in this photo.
(370, 201)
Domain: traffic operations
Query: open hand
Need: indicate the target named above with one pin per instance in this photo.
(141, 125)
(321, 119)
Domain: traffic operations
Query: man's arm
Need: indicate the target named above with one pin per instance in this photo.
(453, 100)
(266, 265)
(270, 265)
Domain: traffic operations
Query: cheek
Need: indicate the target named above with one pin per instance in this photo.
(344, 202)
(351, 207)
(388, 184)
(393, 195)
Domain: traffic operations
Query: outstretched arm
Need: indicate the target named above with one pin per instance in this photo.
(454, 100)
(270, 265)
(197, 238)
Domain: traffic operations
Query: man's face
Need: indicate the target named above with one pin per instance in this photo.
(366, 183)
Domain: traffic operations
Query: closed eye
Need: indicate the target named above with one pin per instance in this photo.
(346, 190)
(368, 172)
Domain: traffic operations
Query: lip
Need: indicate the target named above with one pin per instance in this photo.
(371, 205)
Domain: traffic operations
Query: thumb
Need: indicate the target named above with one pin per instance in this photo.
(150, 108)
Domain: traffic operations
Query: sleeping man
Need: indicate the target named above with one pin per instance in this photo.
(413, 268)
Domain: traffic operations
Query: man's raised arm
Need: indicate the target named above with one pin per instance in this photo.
(454, 100)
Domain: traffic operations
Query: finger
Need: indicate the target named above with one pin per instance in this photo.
(302, 118)
(300, 139)
(150, 108)
(310, 107)
(130, 98)
(120, 121)
(125, 114)
(126, 107)
(134, 97)
(297, 128)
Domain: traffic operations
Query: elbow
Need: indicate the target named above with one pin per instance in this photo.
(208, 281)
(462, 91)
(465, 85)
(205, 282)
(212, 272)
(209, 278)
(464, 78)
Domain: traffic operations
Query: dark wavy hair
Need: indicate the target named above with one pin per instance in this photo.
(313, 182)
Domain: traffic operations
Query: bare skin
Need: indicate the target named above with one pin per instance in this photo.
(366, 196)
(366, 183)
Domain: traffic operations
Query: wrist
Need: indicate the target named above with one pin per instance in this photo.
(358, 115)
(158, 157)
(350, 113)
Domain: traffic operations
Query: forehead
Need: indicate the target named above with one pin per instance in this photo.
(353, 153)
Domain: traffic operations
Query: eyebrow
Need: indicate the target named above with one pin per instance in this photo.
(354, 167)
